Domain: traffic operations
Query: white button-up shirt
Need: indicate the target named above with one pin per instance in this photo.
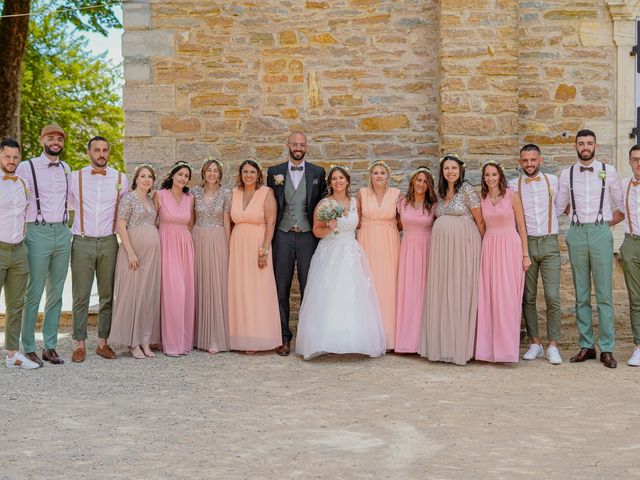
(535, 201)
(586, 189)
(52, 187)
(297, 175)
(13, 199)
(99, 193)
(631, 205)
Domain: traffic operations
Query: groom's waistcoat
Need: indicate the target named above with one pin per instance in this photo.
(294, 213)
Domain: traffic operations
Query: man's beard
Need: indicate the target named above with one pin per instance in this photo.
(297, 156)
(100, 162)
(589, 156)
(535, 172)
(50, 152)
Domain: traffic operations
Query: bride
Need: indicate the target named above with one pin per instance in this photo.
(340, 312)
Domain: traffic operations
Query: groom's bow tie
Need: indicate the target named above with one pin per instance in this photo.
(297, 169)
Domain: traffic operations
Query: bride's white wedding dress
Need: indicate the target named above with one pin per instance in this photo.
(340, 312)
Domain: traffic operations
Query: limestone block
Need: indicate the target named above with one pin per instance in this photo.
(149, 98)
(269, 152)
(180, 124)
(595, 33)
(468, 125)
(313, 90)
(141, 150)
(137, 69)
(196, 152)
(565, 92)
(148, 43)
(207, 100)
(345, 100)
(335, 151)
(501, 145)
(584, 111)
(391, 122)
(138, 124)
(288, 37)
(136, 15)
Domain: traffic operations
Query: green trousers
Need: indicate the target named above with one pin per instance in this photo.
(14, 275)
(591, 256)
(91, 256)
(630, 253)
(49, 249)
(544, 253)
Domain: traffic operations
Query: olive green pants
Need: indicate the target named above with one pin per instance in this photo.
(14, 275)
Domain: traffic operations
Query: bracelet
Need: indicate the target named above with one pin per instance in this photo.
(263, 252)
(525, 256)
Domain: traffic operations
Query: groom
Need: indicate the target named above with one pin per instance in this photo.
(298, 187)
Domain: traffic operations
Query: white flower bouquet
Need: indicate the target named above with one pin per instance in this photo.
(330, 210)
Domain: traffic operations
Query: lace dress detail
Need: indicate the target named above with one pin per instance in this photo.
(135, 213)
(461, 204)
(211, 213)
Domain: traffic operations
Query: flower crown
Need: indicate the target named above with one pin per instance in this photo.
(380, 163)
(333, 167)
(451, 156)
(424, 170)
(494, 163)
(181, 164)
(251, 159)
(144, 165)
(214, 160)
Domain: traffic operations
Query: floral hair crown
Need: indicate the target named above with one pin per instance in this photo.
(144, 165)
(333, 167)
(424, 170)
(180, 164)
(494, 163)
(214, 160)
(251, 159)
(380, 163)
(451, 156)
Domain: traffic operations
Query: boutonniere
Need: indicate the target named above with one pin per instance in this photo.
(602, 174)
(278, 179)
(119, 186)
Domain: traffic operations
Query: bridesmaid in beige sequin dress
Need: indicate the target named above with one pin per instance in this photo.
(211, 243)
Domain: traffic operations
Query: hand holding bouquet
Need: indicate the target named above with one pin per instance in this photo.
(330, 210)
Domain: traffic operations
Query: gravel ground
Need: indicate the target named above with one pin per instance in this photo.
(236, 416)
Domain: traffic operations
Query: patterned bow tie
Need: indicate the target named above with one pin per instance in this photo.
(297, 169)
(13, 178)
(54, 164)
(98, 172)
(635, 183)
(586, 169)
(529, 180)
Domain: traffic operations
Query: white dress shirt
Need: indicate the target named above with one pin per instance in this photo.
(13, 199)
(535, 201)
(586, 189)
(52, 187)
(631, 196)
(297, 175)
(99, 193)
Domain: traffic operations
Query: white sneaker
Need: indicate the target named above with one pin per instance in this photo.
(20, 361)
(634, 361)
(553, 355)
(535, 351)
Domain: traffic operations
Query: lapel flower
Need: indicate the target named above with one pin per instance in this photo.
(119, 186)
(278, 179)
(602, 174)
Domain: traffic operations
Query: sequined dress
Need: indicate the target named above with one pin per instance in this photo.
(448, 328)
(136, 295)
(340, 312)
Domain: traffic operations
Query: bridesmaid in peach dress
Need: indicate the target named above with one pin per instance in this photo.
(254, 316)
(417, 211)
(177, 297)
(504, 260)
(380, 240)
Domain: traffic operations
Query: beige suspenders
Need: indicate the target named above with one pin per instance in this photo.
(550, 213)
(115, 213)
(627, 205)
(81, 202)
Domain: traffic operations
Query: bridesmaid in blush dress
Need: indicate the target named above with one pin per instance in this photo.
(380, 240)
(210, 233)
(417, 213)
(504, 260)
(177, 298)
(254, 315)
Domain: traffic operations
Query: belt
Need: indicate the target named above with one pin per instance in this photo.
(542, 237)
(295, 229)
(632, 236)
(13, 246)
(86, 237)
(605, 222)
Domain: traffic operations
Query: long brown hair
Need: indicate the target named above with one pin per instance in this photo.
(430, 197)
(443, 185)
(342, 170)
(251, 162)
(502, 182)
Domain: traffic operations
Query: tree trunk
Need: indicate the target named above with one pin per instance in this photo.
(13, 32)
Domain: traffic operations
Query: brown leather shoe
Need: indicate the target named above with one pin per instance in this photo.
(51, 356)
(608, 360)
(78, 355)
(584, 354)
(106, 352)
(284, 349)
(33, 356)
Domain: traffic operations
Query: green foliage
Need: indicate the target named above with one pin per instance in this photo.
(63, 82)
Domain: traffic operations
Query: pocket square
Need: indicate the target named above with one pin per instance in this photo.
(315, 181)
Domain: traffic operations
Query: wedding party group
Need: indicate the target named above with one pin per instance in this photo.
(441, 270)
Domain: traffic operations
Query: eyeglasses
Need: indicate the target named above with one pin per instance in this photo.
(302, 145)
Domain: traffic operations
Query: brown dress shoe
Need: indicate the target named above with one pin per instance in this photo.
(33, 356)
(106, 352)
(51, 356)
(584, 354)
(608, 360)
(78, 355)
(284, 349)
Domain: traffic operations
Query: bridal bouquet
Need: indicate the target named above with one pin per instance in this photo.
(330, 210)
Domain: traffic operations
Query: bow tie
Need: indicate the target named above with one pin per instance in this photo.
(635, 183)
(586, 169)
(54, 164)
(98, 172)
(297, 169)
(13, 178)
(529, 180)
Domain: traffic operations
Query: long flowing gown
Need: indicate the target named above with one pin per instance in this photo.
(136, 293)
(340, 312)
(254, 315)
(501, 284)
(413, 265)
(212, 266)
(448, 328)
(177, 306)
(380, 241)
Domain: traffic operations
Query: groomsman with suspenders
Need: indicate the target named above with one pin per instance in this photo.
(97, 189)
(538, 192)
(592, 191)
(630, 249)
(48, 239)
(14, 263)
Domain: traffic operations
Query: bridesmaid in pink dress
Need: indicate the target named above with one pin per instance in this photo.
(380, 240)
(417, 214)
(504, 260)
(177, 296)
